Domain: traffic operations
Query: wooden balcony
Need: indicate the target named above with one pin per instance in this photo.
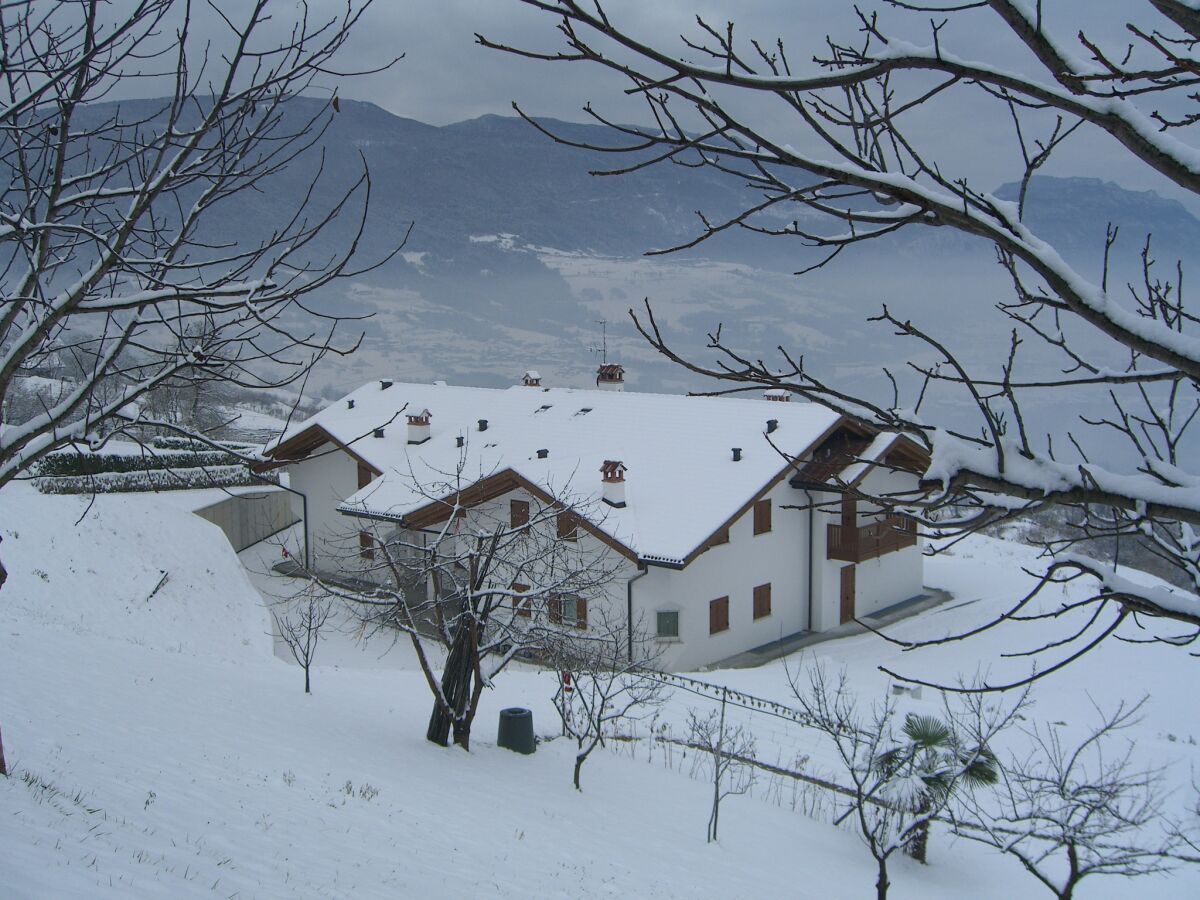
(869, 541)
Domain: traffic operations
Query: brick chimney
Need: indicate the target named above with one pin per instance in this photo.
(418, 427)
(612, 483)
(532, 378)
(778, 394)
(610, 377)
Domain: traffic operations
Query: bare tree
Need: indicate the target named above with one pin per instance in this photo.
(112, 256)
(601, 686)
(482, 589)
(843, 139)
(900, 783)
(300, 624)
(730, 747)
(1068, 810)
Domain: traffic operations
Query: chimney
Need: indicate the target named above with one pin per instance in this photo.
(610, 377)
(349, 404)
(418, 427)
(772, 426)
(737, 454)
(531, 378)
(778, 394)
(483, 424)
(542, 454)
(459, 441)
(378, 432)
(612, 482)
(384, 385)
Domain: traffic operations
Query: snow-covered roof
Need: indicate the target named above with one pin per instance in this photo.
(682, 483)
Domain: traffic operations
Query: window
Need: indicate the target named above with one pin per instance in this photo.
(518, 513)
(718, 615)
(522, 604)
(568, 526)
(762, 601)
(366, 546)
(668, 624)
(762, 516)
(574, 611)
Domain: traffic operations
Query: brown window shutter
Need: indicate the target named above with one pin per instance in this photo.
(849, 511)
(762, 601)
(364, 475)
(721, 537)
(580, 613)
(554, 610)
(568, 526)
(762, 517)
(718, 615)
(521, 604)
(366, 546)
(518, 513)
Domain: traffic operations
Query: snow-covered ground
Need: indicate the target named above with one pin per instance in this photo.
(161, 749)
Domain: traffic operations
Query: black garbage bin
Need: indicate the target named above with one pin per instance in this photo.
(516, 730)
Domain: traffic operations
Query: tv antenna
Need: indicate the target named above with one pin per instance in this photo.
(603, 348)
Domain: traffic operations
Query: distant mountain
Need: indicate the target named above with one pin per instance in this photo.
(517, 251)
(1073, 214)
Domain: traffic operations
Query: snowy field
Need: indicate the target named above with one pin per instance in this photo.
(161, 748)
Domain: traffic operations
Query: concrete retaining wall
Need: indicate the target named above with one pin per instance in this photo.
(249, 518)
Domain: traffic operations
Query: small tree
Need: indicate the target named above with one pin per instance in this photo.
(602, 687)
(901, 783)
(730, 748)
(299, 626)
(482, 589)
(920, 772)
(1067, 811)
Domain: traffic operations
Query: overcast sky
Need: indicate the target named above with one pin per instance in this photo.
(446, 77)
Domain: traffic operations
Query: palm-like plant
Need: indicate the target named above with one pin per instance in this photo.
(923, 771)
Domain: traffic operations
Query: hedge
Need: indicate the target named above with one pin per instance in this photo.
(150, 480)
(75, 464)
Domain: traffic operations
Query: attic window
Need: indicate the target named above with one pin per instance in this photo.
(542, 408)
(584, 411)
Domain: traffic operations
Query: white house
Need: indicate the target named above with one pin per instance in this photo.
(728, 516)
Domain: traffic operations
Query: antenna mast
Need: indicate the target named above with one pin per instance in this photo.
(603, 348)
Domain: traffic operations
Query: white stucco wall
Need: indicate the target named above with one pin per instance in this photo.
(778, 558)
(326, 479)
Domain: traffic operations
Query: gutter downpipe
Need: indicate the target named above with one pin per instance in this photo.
(643, 570)
(810, 558)
(303, 514)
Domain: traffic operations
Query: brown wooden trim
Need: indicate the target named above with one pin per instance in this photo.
(718, 615)
(762, 516)
(295, 450)
(762, 600)
(498, 485)
(790, 468)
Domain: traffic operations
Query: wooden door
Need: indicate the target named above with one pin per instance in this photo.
(847, 612)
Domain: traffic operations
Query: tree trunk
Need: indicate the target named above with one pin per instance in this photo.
(881, 883)
(456, 684)
(307, 689)
(917, 845)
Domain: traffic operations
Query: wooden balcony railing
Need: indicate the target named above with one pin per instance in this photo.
(870, 541)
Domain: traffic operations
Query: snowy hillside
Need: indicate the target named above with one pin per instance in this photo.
(160, 749)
